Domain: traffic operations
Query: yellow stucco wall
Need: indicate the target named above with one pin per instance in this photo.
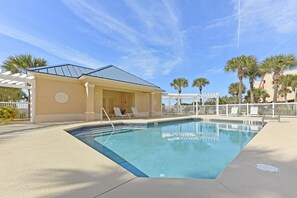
(46, 90)
(80, 107)
(142, 102)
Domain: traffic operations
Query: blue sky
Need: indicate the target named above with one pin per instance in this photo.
(156, 40)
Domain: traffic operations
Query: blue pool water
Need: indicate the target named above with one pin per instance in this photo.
(180, 149)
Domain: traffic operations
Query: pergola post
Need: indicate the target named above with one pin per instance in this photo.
(178, 105)
(217, 105)
(193, 107)
(194, 97)
(196, 106)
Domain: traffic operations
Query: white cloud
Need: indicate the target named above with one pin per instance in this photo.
(155, 26)
(215, 70)
(58, 50)
(260, 20)
(217, 47)
(221, 22)
(279, 16)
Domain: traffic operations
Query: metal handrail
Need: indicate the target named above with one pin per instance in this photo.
(103, 110)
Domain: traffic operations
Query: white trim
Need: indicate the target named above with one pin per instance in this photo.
(194, 97)
(15, 80)
(14, 86)
(197, 96)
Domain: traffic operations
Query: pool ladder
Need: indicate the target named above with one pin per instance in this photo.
(103, 110)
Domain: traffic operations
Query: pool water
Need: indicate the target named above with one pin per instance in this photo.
(180, 149)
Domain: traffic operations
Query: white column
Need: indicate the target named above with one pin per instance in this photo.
(247, 109)
(227, 110)
(33, 102)
(89, 101)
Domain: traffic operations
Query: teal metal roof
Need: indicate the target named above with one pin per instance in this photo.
(114, 73)
(67, 70)
(109, 72)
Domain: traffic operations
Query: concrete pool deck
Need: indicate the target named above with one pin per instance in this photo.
(46, 161)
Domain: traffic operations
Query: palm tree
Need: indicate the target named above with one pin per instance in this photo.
(252, 71)
(200, 82)
(293, 85)
(226, 100)
(234, 89)
(177, 84)
(285, 82)
(20, 63)
(264, 69)
(11, 94)
(277, 64)
(263, 94)
(237, 64)
(258, 95)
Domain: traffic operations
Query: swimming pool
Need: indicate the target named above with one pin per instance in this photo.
(191, 148)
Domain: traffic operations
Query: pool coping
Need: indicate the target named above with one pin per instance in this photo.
(131, 168)
(268, 146)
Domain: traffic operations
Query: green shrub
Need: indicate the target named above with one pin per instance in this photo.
(8, 114)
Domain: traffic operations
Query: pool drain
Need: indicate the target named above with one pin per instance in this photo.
(267, 168)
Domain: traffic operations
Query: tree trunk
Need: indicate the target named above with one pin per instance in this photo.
(286, 98)
(275, 78)
(252, 90)
(200, 90)
(240, 91)
(275, 88)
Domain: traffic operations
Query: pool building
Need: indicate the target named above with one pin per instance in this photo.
(70, 92)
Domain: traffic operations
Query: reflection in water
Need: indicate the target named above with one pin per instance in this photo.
(174, 150)
(207, 132)
(198, 131)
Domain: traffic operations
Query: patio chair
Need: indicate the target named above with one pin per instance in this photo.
(234, 111)
(135, 113)
(118, 113)
(254, 111)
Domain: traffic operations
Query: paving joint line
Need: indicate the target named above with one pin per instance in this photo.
(114, 187)
(226, 188)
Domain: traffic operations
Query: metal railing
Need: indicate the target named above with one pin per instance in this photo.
(264, 109)
(22, 107)
(103, 111)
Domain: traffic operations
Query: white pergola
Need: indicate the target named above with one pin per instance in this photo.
(194, 97)
(21, 81)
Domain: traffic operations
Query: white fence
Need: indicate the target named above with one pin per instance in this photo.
(23, 108)
(267, 109)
